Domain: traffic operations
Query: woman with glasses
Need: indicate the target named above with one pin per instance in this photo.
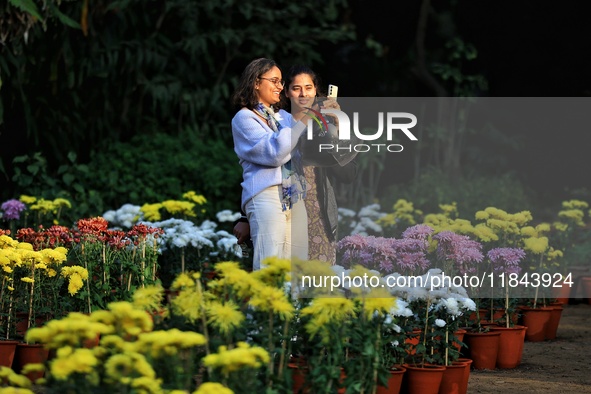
(301, 93)
(273, 184)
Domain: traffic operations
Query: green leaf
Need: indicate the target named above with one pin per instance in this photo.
(28, 6)
(66, 20)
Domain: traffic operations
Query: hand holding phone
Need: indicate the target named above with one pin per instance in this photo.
(333, 91)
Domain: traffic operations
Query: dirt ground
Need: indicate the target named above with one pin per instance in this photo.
(562, 365)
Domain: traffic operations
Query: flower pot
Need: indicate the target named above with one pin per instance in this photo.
(298, 377)
(562, 294)
(536, 319)
(453, 378)
(483, 348)
(510, 346)
(22, 322)
(412, 340)
(394, 382)
(30, 354)
(7, 350)
(299, 371)
(459, 334)
(467, 364)
(553, 322)
(422, 379)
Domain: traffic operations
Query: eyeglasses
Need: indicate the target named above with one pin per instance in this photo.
(275, 81)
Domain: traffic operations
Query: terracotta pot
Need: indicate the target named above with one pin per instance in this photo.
(422, 380)
(453, 378)
(7, 350)
(483, 348)
(22, 322)
(459, 334)
(29, 354)
(467, 364)
(298, 377)
(299, 371)
(91, 343)
(394, 382)
(412, 340)
(562, 294)
(510, 346)
(536, 320)
(554, 321)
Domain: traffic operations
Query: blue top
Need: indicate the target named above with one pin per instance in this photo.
(261, 151)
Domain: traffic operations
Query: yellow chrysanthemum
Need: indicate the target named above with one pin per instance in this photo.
(127, 365)
(240, 357)
(188, 304)
(151, 211)
(482, 215)
(128, 320)
(543, 228)
(562, 227)
(273, 300)
(158, 344)
(536, 245)
(148, 298)
(224, 316)
(175, 207)
(196, 198)
(54, 256)
(213, 388)
(274, 269)
(27, 199)
(378, 300)
(146, 385)
(182, 280)
(62, 203)
(329, 310)
(529, 231)
(7, 242)
(575, 204)
(485, 233)
(573, 215)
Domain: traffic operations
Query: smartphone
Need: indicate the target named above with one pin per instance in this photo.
(333, 91)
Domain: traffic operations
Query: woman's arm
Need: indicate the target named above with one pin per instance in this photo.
(255, 142)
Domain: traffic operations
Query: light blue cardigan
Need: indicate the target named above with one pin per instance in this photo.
(261, 151)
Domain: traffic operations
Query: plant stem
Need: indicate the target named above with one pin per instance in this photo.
(271, 348)
(506, 306)
(283, 348)
(446, 346)
(426, 327)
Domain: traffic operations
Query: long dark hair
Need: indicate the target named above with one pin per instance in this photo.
(245, 94)
(293, 72)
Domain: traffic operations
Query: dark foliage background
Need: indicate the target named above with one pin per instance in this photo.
(109, 102)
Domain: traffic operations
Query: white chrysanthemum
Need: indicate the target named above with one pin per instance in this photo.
(208, 225)
(468, 304)
(440, 323)
(227, 216)
(228, 245)
(345, 212)
(452, 306)
(371, 211)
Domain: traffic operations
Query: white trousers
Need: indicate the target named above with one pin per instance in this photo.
(275, 232)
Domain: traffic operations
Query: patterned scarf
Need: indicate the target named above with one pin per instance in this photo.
(292, 173)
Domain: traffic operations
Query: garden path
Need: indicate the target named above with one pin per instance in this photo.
(562, 365)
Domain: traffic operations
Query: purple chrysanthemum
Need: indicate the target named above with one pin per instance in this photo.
(12, 209)
(506, 260)
(460, 249)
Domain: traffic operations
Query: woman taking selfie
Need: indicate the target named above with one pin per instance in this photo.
(301, 93)
(273, 185)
